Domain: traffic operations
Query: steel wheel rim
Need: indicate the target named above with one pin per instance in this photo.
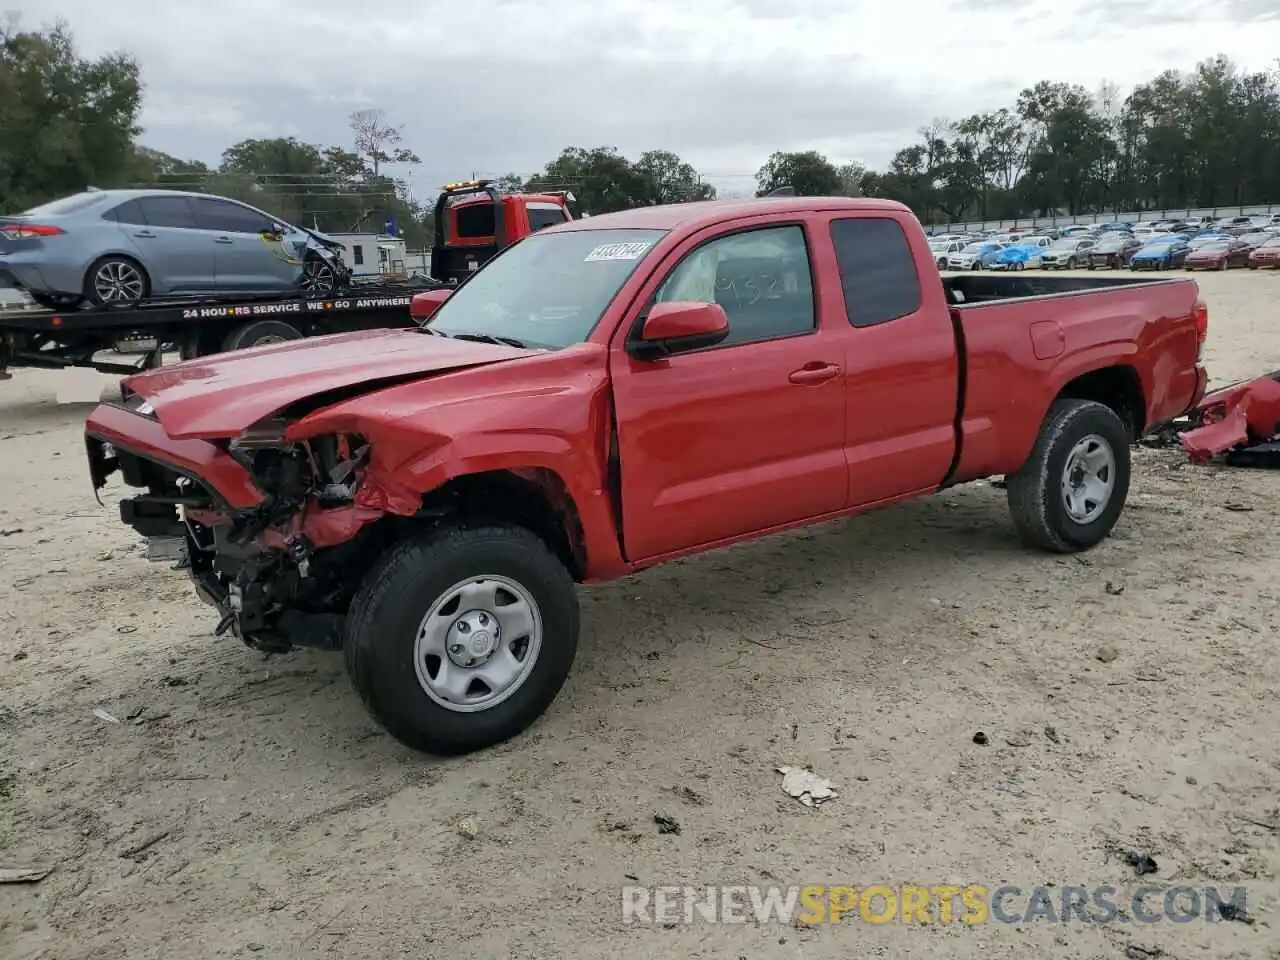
(319, 278)
(118, 282)
(271, 338)
(470, 640)
(1088, 478)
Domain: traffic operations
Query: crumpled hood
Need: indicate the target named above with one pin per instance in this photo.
(221, 395)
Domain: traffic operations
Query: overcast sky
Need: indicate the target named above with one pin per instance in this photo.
(501, 85)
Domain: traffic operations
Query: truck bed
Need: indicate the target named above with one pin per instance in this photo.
(977, 288)
(1015, 350)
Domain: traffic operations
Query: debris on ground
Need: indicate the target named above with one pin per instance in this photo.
(1135, 952)
(1113, 588)
(104, 716)
(689, 795)
(1240, 422)
(24, 874)
(806, 786)
(1051, 734)
(467, 828)
(1142, 863)
(1230, 911)
(1105, 653)
(980, 738)
(666, 824)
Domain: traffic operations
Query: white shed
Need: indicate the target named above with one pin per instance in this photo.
(372, 254)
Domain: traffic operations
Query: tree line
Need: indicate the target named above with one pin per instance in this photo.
(1206, 138)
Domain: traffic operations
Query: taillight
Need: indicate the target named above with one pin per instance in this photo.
(1200, 313)
(28, 231)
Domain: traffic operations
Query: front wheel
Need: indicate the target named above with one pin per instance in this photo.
(319, 279)
(462, 637)
(1071, 263)
(1068, 495)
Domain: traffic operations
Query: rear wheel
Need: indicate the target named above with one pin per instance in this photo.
(116, 281)
(462, 637)
(259, 334)
(1071, 263)
(1070, 492)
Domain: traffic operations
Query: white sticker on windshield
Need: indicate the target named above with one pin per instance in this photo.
(619, 251)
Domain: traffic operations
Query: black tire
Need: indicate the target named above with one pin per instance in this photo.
(398, 593)
(1071, 263)
(259, 333)
(134, 290)
(1035, 490)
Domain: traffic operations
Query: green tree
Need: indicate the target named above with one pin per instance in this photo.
(601, 179)
(66, 122)
(809, 173)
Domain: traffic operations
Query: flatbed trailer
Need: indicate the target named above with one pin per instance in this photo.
(193, 327)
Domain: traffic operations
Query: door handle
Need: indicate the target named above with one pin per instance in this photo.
(224, 240)
(816, 372)
(145, 234)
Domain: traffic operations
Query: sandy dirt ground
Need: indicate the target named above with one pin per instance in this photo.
(248, 807)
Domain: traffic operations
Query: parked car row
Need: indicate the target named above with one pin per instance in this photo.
(1156, 245)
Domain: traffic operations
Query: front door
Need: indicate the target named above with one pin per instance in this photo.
(743, 436)
(248, 258)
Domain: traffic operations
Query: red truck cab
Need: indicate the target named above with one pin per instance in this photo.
(474, 220)
(612, 393)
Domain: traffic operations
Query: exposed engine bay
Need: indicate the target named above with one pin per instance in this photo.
(281, 574)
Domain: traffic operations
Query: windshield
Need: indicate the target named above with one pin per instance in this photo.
(548, 290)
(1110, 245)
(1216, 245)
(1066, 243)
(976, 247)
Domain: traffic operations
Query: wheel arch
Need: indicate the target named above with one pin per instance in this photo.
(1117, 386)
(535, 498)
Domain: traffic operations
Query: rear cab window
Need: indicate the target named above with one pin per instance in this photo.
(543, 215)
(877, 270)
(473, 221)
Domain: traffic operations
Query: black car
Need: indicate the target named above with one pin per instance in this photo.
(1112, 251)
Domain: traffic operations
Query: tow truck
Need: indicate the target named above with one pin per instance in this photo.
(474, 220)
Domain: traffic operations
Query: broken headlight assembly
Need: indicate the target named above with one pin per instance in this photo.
(287, 472)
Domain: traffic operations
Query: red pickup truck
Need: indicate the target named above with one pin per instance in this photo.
(611, 393)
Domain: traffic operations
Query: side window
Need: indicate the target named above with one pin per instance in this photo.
(229, 217)
(128, 212)
(541, 217)
(877, 270)
(168, 212)
(761, 278)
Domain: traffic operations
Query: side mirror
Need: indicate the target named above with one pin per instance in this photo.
(424, 305)
(680, 325)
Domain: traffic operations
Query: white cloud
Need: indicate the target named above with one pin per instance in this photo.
(498, 85)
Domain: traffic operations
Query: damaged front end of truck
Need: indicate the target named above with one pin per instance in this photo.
(276, 533)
